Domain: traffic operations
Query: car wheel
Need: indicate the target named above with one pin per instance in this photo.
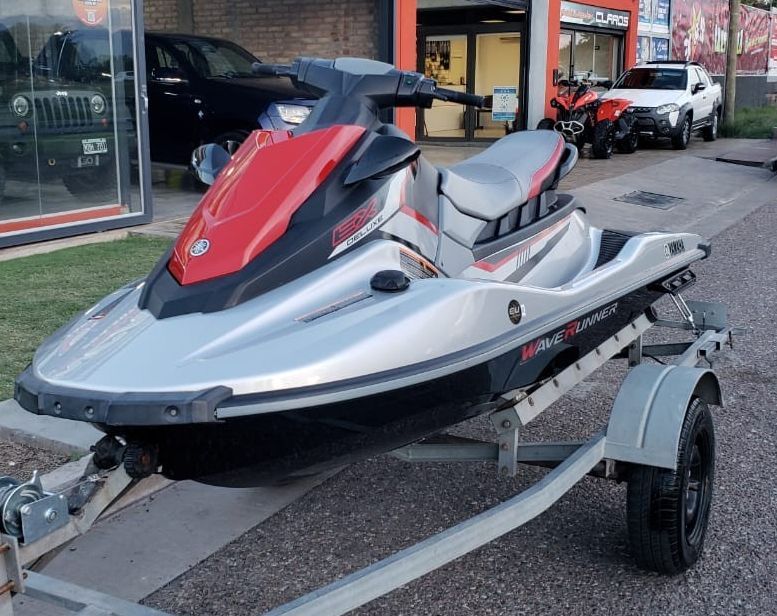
(680, 141)
(96, 185)
(629, 144)
(668, 509)
(603, 139)
(711, 130)
(231, 140)
(546, 124)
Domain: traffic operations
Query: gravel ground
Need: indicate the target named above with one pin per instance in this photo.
(20, 460)
(573, 559)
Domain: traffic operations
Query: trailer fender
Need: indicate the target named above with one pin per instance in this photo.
(648, 412)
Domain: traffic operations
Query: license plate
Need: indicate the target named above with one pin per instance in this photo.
(95, 146)
(88, 161)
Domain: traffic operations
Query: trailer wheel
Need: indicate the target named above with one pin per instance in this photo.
(668, 510)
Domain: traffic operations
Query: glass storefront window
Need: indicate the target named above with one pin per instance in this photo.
(68, 129)
(498, 61)
(588, 56)
(564, 55)
(445, 59)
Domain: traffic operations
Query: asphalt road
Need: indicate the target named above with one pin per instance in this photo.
(573, 559)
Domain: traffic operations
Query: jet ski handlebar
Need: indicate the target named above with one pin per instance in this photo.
(385, 85)
(463, 98)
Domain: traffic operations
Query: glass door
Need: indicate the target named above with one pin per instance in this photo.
(481, 62)
(591, 57)
(565, 54)
(445, 60)
(497, 74)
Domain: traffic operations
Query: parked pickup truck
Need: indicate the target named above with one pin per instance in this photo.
(671, 99)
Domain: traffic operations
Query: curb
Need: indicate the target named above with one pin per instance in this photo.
(17, 252)
(52, 434)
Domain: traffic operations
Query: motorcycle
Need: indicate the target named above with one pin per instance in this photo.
(582, 117)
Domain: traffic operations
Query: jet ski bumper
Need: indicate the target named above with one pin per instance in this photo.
(118, 409)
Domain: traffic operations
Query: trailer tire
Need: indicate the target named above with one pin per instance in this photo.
(668, 510)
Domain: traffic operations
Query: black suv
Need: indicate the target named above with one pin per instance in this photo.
(201, 90)
(52, 126)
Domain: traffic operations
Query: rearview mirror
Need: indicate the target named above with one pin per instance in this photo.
(698, 87)
(607, 84)
(207, 162)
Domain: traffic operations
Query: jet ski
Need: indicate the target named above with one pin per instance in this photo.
(335, 296)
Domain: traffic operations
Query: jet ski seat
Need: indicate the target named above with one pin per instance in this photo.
(509, 173)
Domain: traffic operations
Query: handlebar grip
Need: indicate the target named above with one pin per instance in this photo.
(259, 68)
(459, 97)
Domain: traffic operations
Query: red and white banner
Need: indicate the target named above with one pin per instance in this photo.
(700, 33)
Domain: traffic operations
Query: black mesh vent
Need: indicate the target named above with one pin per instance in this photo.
(612, 242)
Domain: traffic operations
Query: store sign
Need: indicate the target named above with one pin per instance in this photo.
(584, 15)
(91, 12)
(505, 103)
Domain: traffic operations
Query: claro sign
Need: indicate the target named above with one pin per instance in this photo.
(584, 15)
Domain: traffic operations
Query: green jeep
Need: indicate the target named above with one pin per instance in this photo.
(51, 127)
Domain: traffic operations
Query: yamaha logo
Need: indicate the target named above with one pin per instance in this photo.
(199, 248)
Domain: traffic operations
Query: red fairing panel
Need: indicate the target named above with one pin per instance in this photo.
(539, 176)
(254, 197)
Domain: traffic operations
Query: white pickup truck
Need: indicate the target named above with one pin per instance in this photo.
(671, 99)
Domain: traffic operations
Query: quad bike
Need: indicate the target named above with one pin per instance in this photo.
(582, 117)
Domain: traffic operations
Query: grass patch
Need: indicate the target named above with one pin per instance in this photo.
(40, 293)
(751, 123)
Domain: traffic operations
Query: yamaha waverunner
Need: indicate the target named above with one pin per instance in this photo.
(335, 296)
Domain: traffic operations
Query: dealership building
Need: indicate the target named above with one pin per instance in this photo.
(466, 45)
(74, 153)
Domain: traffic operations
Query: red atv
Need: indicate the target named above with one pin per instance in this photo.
(582, 117)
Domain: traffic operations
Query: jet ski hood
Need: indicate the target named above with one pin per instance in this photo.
(253, 199)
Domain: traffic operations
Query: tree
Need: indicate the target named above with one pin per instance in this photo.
(731, 61)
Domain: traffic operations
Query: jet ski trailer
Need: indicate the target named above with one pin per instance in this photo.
(335, 296)
(659, 438)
